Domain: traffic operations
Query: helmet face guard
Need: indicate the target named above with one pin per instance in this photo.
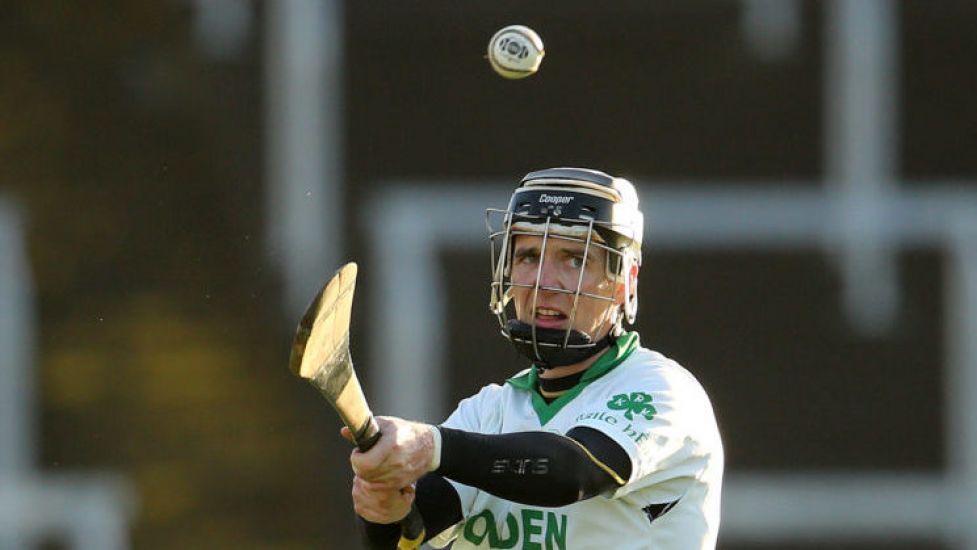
(588, 208)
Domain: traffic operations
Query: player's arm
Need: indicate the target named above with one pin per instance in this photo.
(537, 468)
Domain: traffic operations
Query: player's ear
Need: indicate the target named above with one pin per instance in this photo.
(633, 274)
(624, 286)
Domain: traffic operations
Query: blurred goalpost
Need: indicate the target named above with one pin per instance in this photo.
(84, 510)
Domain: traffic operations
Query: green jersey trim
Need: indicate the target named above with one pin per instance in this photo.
(614, 356)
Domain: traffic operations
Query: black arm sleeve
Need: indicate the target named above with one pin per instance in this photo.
(436, 500)
(378, 536)
(538, 468)
(438, 503)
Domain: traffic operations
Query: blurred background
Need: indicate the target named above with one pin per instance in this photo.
(178, 177)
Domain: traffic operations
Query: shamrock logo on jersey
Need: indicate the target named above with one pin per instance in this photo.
(636, 403)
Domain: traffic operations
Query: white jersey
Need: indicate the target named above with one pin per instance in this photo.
(655, 410)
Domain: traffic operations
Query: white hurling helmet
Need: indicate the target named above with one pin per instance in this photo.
(573, 204)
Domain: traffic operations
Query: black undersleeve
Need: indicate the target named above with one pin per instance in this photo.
(438, 503)
(378, 536)
(537, 468)
(604, 449)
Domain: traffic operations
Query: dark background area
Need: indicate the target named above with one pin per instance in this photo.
(138, 162)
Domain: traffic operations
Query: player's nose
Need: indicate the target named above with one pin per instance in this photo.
(550, 275)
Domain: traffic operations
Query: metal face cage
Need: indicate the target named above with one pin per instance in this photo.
(504, 226)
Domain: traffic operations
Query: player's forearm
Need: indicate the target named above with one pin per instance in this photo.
(537, 468)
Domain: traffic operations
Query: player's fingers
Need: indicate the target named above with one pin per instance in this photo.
(368, 508)
(380, 506)
(397, 459)
(365, 496)
(346, 433)
(368, 467)
(385, 480)
(406, 500)
(385, 422)
(385, 462)
(396, 470)
(370, 486)
(380, 488)
(388, 485)
(389, 474)
(370, 463)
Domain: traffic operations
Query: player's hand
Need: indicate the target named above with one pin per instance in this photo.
(378, 504)
(401, 456)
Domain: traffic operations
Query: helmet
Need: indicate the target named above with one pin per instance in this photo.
(572, 204)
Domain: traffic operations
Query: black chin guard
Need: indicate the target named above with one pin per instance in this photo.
(549, 344)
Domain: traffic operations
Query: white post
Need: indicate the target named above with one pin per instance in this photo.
(99, 517)
(771, 28)
(961, 377)
(17, 420)
(16, 348)
(860, 151)
(304, 157)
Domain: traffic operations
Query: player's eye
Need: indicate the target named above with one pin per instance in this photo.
(526, 257)
(576, 262)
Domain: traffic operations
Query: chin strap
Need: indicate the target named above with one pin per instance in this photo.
(549, 344)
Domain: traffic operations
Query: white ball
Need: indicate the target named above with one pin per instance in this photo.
(515, 51)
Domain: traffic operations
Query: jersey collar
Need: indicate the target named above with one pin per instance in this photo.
(614, 356)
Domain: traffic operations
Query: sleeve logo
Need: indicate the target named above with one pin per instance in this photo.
(637, 403)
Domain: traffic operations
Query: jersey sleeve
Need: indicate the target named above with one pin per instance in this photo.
(479, 413)
(656, 413)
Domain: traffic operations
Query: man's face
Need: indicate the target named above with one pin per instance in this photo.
(561, 269)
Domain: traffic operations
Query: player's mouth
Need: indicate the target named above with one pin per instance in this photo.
(548, 317)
